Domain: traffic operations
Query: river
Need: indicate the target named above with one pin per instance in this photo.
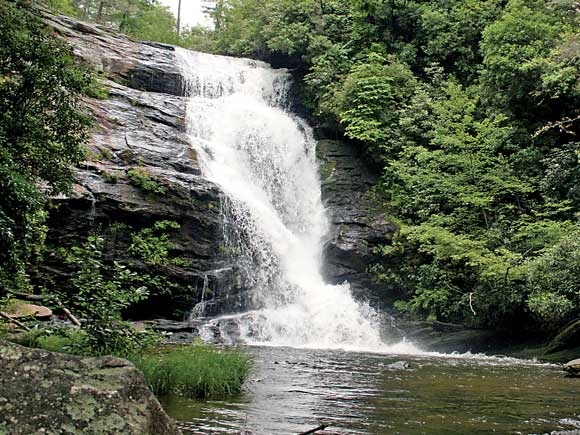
(292, 390)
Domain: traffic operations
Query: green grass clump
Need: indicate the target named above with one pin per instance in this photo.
(61, 339)
(198, 370)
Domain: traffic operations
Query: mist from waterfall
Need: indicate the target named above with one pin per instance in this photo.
(263, 157)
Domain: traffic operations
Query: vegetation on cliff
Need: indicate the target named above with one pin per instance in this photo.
(471, 109)
(42, 133)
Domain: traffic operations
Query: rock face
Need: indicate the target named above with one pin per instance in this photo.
(50, 393)
(356, 228)
(568, 338)
(21, 310)
(140, 129)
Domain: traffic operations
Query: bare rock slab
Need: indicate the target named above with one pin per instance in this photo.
(51, 393)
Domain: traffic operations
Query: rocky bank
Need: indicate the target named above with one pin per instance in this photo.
(49, 393)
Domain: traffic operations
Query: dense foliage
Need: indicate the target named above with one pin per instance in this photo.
(42, 131)
(472, 110)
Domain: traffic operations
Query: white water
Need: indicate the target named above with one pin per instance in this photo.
(263, 158)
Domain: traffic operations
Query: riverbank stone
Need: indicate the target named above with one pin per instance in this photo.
(51, 393)
(573, 367)
(22, 310)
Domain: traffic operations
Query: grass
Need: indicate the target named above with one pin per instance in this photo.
(62, 340)
(198, 370)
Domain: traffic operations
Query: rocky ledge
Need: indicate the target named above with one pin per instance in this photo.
(50, 393)
(140, 137)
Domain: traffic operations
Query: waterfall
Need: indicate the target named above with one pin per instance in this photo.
(263, 158)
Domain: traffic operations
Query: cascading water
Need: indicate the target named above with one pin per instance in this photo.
(263, 158)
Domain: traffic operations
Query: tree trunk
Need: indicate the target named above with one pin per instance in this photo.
(179, 17)
(99, 18)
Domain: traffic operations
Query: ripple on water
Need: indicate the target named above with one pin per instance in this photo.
(356, 393)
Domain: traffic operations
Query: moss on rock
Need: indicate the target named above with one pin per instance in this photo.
(50, 393)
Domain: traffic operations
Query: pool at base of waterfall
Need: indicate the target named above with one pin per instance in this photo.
(293, 390)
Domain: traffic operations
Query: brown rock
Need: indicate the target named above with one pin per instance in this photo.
(22, 310)
(573, 367)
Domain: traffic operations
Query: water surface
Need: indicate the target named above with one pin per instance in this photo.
(292, 390)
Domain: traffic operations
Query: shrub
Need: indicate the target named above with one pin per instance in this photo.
(99, 292)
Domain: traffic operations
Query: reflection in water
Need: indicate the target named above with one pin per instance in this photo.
(293, 389)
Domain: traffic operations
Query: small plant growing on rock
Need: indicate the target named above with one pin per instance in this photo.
(110, 177)
(152, 244)
(139, 177)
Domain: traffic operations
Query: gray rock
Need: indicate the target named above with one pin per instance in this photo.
(142, 125)
(347, 180)
(147, 66)
(399, 365)
(567, 338)
(50, 393)
(573, 367)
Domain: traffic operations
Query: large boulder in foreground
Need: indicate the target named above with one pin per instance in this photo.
(51, 393)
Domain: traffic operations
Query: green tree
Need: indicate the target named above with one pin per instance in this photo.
(521, 76)
(553, 281)
(370, 99)
(42, 131)
(98, 293)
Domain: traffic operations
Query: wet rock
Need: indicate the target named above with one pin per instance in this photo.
(448, 337)
(573, 367)
(140, 65)
(399, 365)
(165, 325)
(45, 392)
(347, 180)
(567, 338)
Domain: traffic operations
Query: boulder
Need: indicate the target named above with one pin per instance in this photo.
(568, 338)
(22, 310)
(50, 393)
(399, 365)
(573, 367)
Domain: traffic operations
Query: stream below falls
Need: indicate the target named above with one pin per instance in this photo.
(293, 390)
